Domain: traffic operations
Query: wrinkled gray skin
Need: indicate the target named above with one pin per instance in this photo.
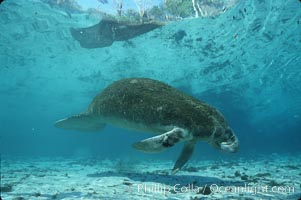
(148, 105)
(107, 31)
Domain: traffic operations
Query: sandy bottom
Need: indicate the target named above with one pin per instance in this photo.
(273, 177)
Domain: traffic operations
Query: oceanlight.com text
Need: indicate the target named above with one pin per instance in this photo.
(214, 188)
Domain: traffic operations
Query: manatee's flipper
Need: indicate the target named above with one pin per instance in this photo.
(82, 122)
(161, 142)
(184, 156)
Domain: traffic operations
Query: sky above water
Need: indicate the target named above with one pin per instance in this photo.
(86, 4)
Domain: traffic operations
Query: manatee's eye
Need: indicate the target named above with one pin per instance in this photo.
(228, 131)
(229, 134)
(218, 134)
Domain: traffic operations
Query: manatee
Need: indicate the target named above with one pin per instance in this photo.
(151, 106)
(109, 30)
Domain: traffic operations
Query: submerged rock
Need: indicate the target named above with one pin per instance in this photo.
(19, 198)
(244, 177)
(127, 183)
(191, 169)
(273, 183)
(37, 194)
(237, 174)
(205, 191)
(179, 35)
(54, 196)
(262, 174)
(7, 188)
(292, 167)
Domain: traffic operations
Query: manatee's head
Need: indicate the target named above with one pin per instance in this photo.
(224, 139)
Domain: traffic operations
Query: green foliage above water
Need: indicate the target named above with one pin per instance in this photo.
(179, 8)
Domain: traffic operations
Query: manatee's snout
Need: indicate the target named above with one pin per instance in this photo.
(73, 32)
(231, 146)
(83, 37)
(77, 34)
